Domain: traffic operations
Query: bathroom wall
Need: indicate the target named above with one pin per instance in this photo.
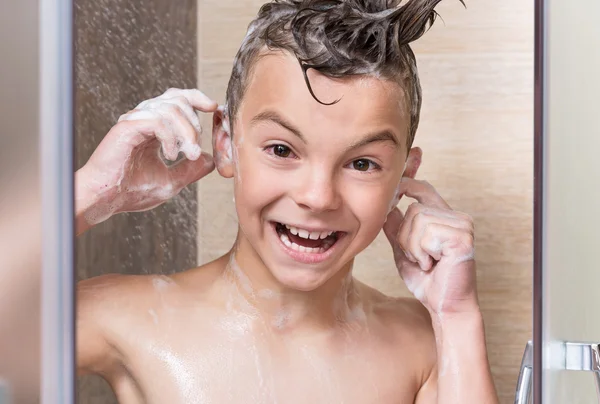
(476, 132)
(126, 52)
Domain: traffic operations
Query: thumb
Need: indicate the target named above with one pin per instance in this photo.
(392, 226)
(391, 229)
(187, 171)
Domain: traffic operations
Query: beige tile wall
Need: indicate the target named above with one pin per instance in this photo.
(476, 131)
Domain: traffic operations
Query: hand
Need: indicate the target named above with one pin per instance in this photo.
(126, 172)
(434, 251)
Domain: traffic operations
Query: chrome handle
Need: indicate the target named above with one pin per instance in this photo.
(525, 375)
(577, 356)
(584, 357)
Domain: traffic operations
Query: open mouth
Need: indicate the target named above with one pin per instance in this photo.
(304, 241)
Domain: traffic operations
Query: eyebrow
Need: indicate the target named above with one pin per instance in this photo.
(383, 136)
(272, 116)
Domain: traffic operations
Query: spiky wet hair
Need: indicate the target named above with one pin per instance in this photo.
(339, 38)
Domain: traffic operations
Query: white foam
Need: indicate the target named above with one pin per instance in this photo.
(226, 126)
(191, 151)
(237, 272)
(435, 246)
(281, 319)
(139, 115)
(161, 283)
(236, 161)
(154, 316)
(236, 325)
(416, 284)
(267, 294)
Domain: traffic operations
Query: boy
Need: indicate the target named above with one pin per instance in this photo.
(322, 108)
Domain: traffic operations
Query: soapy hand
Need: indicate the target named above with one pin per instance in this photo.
(126, 172)
(434, 250)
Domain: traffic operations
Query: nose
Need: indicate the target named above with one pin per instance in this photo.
(317, 191)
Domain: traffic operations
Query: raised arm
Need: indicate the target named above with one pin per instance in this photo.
(434, 252)
(126, 173)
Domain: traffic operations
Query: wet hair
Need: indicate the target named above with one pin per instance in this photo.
(339, 38)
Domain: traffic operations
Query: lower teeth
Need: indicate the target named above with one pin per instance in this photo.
(286, 240)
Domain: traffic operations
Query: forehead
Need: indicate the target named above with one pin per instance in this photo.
(365, 103)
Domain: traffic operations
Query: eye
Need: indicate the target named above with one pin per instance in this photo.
(365, 165)
(280, 150)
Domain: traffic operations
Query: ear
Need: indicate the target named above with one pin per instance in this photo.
(222, 144)
(413, 162)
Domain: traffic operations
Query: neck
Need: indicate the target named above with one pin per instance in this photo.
(257, 292)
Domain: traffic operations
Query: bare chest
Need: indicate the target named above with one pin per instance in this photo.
(232, 364)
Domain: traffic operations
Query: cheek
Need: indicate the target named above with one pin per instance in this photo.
(370, 206)
(261, 184)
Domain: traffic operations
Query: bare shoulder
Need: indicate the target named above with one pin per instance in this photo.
(399, 313)
(406, 324)
(117, 297)
(113, 310)
(106, 306)
(116, 292)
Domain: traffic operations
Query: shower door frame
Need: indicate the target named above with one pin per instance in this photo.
(56, 145)
(540, 66)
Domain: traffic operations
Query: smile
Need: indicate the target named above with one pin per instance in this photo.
(307, 246)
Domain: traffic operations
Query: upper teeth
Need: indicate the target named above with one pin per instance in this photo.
(314, 235)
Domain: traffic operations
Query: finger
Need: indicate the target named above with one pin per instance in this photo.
(415, 280)
(160, 128)
(391, 228)
(443, 216)
(423, 192)
(197, 99)
(185, 125)
(396, 198)
(405, 230)
(410, 233)
(184, 132)
(392, 225)
(440, 241)
(189, 112)
(142, 104)
(417, 218)
(186, 172)
(142, 126)
(125, 115)
(412, 242)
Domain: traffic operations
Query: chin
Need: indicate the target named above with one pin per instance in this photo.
(300, 279)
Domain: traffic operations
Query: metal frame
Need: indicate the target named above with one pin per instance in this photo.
(56, 142)
(538, 175)
(523, 393)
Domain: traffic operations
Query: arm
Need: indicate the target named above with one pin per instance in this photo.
(127, 174)
(434, 252)
(85, 200)
(94, 351)
(462, 373)
(463, 370)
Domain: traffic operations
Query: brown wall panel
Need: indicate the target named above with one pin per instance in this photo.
(126, 52)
